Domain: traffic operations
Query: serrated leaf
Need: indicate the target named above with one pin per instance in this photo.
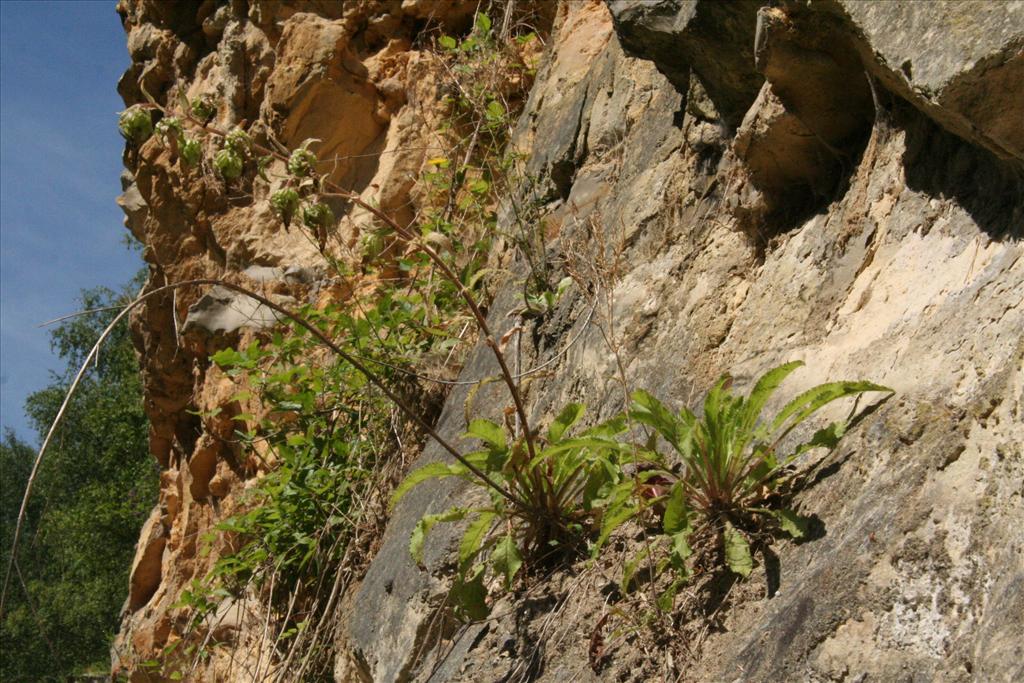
(793, 524)
(614, 517)
(506, 559)
(765, 387)
(680, 550)
(737, 551)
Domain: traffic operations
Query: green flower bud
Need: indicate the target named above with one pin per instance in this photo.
(203, 108)
(228, 164)
(238, 141)
(135, 124)
(191, 150)
(284, 203)
(301, 163)
(317, 216)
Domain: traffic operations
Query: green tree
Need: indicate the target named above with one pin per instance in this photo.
(93, 492)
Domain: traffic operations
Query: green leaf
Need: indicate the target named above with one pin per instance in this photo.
(737, 551)
(667, 599)
(488, 432)
(650, 411)
(680, 550)
(615, 516)
(469, 595)
(495, 110)
(474, 537)
(793, 524)
(630, 568)
(569, 416)
(483, 22)
(434, 470)
(677, 512)
(506, 560)
(423, 527)
(804, 405)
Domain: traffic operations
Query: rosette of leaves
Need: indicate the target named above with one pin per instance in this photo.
(238, 141)
(203, 108)
(302, 162)
(135, 124)
(732, 473)
(284, 203)
(228, 164)
(191, 150)
(544, 506)
(319, 219)
(317, 216)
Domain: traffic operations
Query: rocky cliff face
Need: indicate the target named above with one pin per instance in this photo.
(838, 182)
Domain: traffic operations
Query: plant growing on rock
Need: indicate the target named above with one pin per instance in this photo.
(731, 471)
(191, 150)
(228, 164)
(203, 108)
(135, 124)
(539, 505)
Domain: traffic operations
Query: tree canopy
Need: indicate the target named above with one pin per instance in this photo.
(94, 490)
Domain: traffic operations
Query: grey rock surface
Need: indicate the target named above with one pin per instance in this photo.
(222, 311)
(960, 60)
(714, 39)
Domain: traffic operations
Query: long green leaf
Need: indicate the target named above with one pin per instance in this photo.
(804, 405)
(650, 411)
(677, 512)
(764, 389)
(630, 568)
(434, 470)
(469, 595)
(614, 517)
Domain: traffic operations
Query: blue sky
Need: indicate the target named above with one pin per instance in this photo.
(60, 161)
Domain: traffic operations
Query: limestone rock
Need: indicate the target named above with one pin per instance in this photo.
(960, 61)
